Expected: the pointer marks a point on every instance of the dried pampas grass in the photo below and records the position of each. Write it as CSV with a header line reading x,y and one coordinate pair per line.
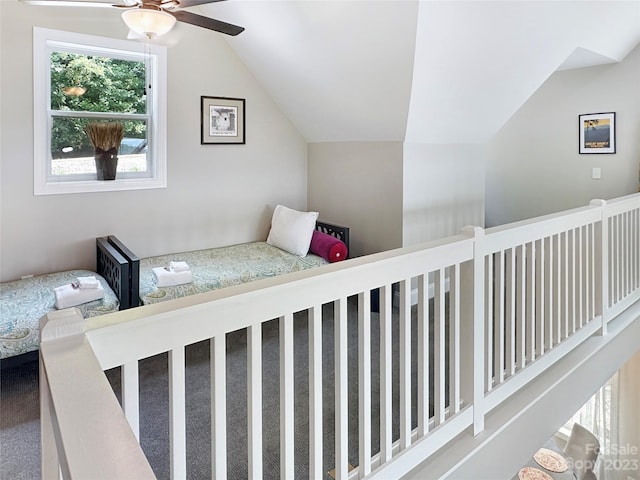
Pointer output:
x,y
105,135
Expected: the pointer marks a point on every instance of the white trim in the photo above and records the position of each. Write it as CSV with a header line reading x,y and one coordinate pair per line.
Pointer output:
x,y
157,133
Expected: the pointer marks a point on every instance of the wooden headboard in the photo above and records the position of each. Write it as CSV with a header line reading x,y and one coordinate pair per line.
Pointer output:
x,y
338,231
116,270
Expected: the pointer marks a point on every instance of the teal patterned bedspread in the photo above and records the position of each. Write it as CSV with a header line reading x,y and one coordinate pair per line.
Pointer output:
x,y
23,302
221,267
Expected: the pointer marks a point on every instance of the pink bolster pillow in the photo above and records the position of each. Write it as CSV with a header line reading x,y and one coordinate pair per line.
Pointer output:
x,y
328,247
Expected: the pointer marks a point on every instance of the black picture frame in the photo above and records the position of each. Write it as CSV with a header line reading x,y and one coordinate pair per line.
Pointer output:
x,y
222,121
597,132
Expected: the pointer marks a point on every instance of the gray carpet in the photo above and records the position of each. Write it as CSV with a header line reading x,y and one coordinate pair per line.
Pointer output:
x,y
19,415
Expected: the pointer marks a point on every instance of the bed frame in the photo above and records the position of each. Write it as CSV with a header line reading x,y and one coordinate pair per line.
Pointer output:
x,y
338,231
128,282
117,269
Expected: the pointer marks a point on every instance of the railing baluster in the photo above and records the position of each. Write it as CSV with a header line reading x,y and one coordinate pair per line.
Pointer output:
x,y
405,363
628,257
548,289
632,250
131,396
423,355
565,285
510,312
620,264
557,304
489,333
572,281
531,301
625,264
622,257
521,307
254,400
615,265
540,298
385,374
591,302
315,392
498,314
633,226
454,339
177,407
611,280
218,361
613,262
341,389
580,276
636,249
602,245
287,440
439,348
364,382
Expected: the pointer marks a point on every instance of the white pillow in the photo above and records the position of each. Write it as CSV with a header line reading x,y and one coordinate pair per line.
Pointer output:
x,y
292,230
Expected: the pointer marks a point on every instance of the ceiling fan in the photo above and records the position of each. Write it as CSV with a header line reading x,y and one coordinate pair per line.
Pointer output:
x,y
152,18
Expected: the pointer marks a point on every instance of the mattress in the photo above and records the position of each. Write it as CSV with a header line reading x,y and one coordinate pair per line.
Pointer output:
x,y
24,302
221,267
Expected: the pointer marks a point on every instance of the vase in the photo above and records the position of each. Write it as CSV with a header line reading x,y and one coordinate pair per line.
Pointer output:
x,y
106,165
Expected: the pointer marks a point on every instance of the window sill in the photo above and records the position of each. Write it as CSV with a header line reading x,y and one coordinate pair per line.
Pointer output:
x,y
91,186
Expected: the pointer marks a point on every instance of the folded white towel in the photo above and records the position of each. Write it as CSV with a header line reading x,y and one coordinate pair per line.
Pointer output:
x,y
169,278
88,282
68,296
179,266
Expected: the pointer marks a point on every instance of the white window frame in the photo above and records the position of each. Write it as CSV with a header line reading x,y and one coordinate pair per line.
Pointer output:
x,y
44,184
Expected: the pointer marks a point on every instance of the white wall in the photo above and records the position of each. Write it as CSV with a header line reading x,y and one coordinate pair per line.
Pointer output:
x,y
394,194
533,165
216,194
359,184
443,190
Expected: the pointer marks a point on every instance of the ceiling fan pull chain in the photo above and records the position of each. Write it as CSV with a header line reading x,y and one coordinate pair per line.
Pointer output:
x,y
147,56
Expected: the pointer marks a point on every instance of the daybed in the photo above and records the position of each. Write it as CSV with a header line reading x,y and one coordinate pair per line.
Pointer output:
x,y
23,302
221,267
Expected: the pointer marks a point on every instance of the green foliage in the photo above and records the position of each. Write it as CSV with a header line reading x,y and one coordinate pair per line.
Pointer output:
x,y
112,85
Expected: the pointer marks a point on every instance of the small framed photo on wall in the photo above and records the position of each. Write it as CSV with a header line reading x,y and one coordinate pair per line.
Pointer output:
x,y
597,132
222,120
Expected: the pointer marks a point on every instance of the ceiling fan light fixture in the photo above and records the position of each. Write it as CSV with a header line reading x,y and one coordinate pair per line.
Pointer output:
x,y
148,22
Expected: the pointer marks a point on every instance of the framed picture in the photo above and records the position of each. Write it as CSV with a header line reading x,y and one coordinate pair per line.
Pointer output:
x,y
597,132
222,120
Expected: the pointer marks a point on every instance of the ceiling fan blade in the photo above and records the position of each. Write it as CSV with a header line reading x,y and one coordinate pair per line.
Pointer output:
x,y
193,3
208,23
69,3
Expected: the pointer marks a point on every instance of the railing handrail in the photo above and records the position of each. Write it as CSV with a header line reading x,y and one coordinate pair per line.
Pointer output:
x,y
86,411
299,290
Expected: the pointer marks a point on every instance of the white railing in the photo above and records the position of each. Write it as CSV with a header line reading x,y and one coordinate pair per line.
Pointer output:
x,y
495,308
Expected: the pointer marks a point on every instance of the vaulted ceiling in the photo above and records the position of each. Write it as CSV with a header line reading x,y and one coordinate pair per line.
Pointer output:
x,y
418,71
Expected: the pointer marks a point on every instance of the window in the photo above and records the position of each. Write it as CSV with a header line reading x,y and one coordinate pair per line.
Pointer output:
x,y
79,79
600,416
